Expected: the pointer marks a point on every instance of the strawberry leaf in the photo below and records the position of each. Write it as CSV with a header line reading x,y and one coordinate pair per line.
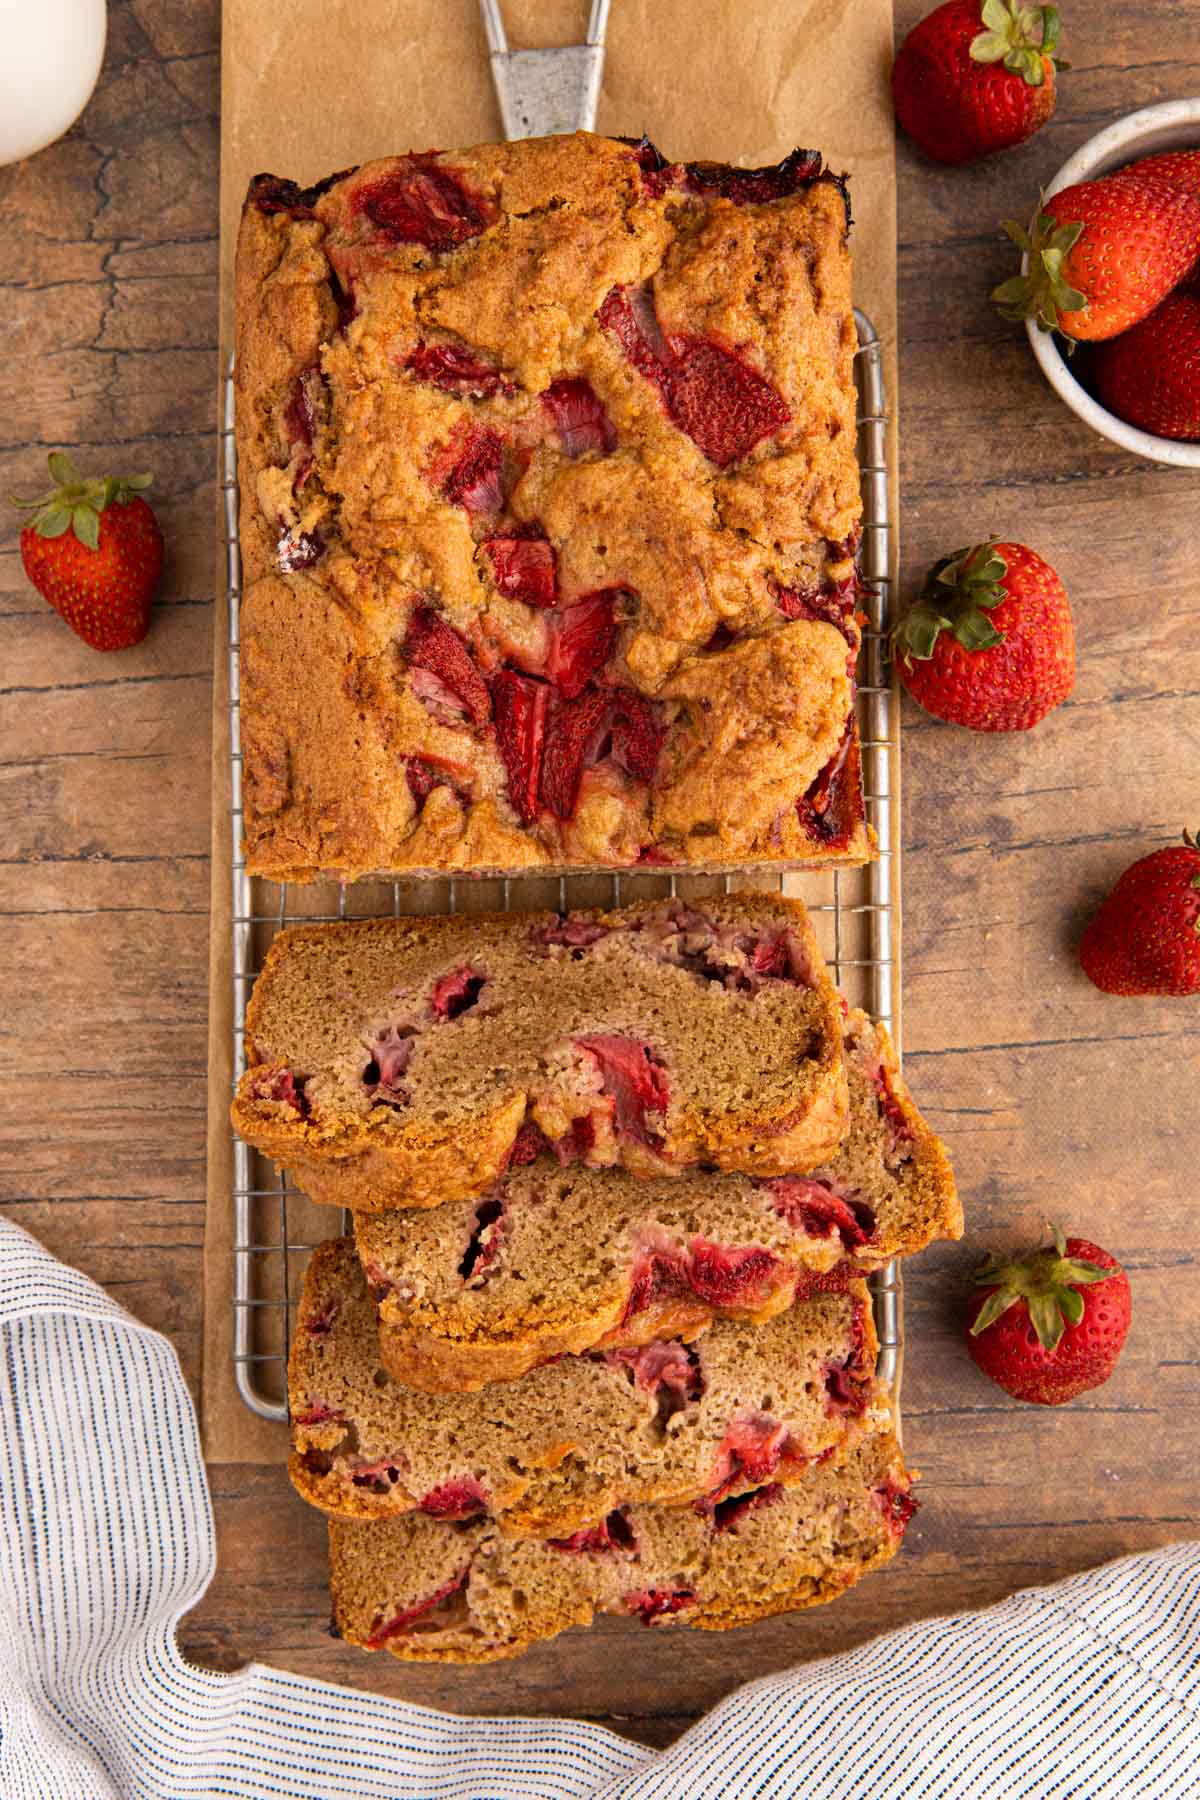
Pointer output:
x,y
1018,234
62,469
989,47
959,593
1044,291
86,523
922,628
53,522
1028,64
994,1307
1051,32
1072,1269
1046,1314
1022,37
975,631
1071,1303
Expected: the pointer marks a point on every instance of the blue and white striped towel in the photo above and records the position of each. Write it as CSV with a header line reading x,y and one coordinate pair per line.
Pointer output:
x,y
1085,1691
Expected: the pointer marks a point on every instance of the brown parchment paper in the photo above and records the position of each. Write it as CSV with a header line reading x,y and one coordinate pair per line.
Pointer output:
x,y
309,86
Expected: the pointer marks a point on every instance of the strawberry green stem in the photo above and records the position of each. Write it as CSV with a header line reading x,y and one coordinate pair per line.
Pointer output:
x,y
959,593
76,501
1047,1279
1021,36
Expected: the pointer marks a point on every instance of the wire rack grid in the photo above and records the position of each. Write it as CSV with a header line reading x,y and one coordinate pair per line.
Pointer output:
x,y
855,912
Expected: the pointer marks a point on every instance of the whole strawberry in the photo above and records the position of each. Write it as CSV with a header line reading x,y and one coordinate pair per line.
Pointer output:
x,y
1102,254
1179,166
1050,1324
93,549
1145,939
990,643
973,78
1150,375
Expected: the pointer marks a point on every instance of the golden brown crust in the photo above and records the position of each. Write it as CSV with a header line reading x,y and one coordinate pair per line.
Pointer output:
x,y
352,1168
440,1365
350,520
932,1208
774,1101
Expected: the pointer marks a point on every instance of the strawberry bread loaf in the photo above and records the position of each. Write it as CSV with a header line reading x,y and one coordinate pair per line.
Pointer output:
x,y
408,1062
429,1591
553,1454
566,1259
549,513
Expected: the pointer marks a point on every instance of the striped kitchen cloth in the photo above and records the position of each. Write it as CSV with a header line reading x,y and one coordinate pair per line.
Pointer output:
x,y
1087,1690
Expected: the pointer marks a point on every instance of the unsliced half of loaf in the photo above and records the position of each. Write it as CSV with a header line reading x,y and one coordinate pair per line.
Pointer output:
x,y
553,1454
429,1591
569,1259
394,1062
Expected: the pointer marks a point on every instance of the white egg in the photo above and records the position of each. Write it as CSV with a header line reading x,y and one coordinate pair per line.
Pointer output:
x,y
50,56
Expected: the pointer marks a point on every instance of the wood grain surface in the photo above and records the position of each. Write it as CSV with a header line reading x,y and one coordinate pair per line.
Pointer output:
x,y
1056,1101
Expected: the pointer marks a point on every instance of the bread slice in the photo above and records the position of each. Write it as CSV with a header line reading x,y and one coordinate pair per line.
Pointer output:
x,y
393,1062
553,1454
433,1592
558,1260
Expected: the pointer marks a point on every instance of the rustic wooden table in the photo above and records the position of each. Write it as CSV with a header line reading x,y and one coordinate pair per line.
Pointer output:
x,y
1057,1102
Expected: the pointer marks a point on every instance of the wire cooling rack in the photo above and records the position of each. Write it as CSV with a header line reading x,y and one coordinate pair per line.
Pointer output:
x,y
854,912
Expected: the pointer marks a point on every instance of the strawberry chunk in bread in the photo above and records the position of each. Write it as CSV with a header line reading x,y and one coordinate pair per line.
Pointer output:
x,y
428,1591
554,1454
655,1038
561,1259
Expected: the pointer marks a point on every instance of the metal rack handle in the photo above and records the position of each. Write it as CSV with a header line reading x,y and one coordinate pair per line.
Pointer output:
x,y
544,92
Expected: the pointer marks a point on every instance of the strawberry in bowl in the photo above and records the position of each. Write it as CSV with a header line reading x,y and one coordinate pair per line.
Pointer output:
x,y
1150,375
1111,261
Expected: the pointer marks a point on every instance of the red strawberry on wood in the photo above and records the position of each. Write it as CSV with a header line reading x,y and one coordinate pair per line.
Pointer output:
x,y
973,78
1051,1324
93,549
990,644
1102,254
1145,939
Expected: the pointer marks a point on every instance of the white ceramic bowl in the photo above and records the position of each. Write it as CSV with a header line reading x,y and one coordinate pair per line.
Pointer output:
x,y
53,50
1173,125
